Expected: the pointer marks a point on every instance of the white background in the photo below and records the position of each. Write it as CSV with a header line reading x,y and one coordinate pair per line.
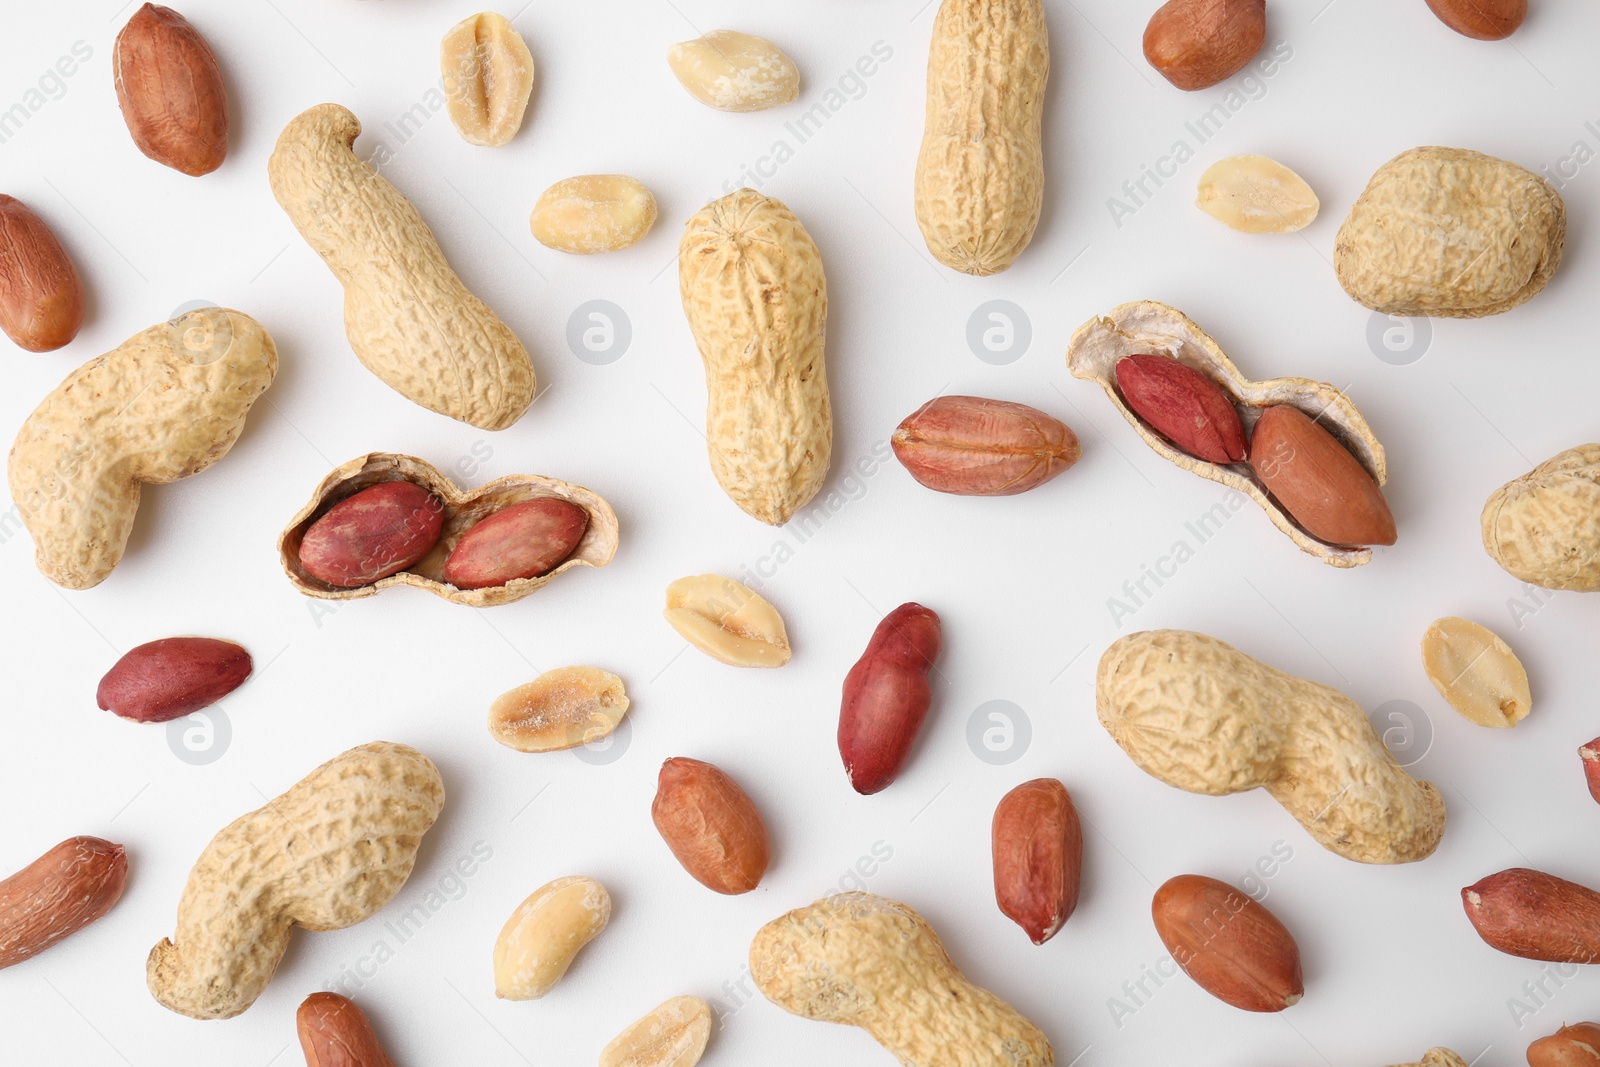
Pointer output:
x,y
1392,966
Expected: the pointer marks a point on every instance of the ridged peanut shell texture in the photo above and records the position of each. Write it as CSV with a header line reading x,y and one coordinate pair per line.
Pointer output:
x,y
757,302
163,405
1544,527
1449,232
41,296
1201,716
868,961
408,316
325,855
1148,327
463,509
980,171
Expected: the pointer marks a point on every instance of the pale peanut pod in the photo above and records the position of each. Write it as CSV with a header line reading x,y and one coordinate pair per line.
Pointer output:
x,y
41,296
166,403
463,509
1476,672
560,709
727,621
327,854
1450,232
1255,194
593,213
488,77
59,894
972,446
1544,527
1201,716
409,318
544,935
171,91
1148,327
757,303
673,1035
733,71
980,171
868,961
335,1033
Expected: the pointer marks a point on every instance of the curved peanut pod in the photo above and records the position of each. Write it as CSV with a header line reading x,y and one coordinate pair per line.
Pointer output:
x,y
868,961
409,318
325,855
59,894
1206,718
886,697
163,405
335,1033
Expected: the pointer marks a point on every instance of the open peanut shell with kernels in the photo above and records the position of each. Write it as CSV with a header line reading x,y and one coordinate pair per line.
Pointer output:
x,y
1149,328
449,515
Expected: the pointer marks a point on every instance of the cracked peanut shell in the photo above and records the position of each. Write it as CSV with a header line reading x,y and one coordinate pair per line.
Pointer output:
x,y
1147,327
462,509
757,303
1449,232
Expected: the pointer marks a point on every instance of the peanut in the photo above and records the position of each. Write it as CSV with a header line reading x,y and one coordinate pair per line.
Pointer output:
x,y
526,540
1232,946
335,1033
545,934
871,962
1486,20
886,697
1448,232
560,709
757,303
408,316
593,213
1476,673
1590,755
1577,1045
372,534
460,512
171,92
173,677
727,621
1037,844
41,297
59,894
733,71
1536,916
1317,480
980,170
1544,527
673,1035
711,825
1149,328
1438,1057
1195,44
327,854
975,447
1184,406
1254,194
1203,717
488,77
163,405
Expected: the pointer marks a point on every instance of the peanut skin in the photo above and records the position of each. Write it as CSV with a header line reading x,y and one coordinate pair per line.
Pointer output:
x,y
371,535
1535,915
711,825
41,296
335,1033
1038,857
971,446
1577,1045
886,697
525,540
167,679
59,894
1232,946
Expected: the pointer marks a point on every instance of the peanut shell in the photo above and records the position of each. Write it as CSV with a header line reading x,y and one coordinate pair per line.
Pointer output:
x,y
462,509
1153,328
1544,527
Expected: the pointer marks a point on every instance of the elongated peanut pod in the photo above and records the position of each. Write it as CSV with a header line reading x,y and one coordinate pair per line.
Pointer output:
x,y
886,697
409,318
325,855
59,894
